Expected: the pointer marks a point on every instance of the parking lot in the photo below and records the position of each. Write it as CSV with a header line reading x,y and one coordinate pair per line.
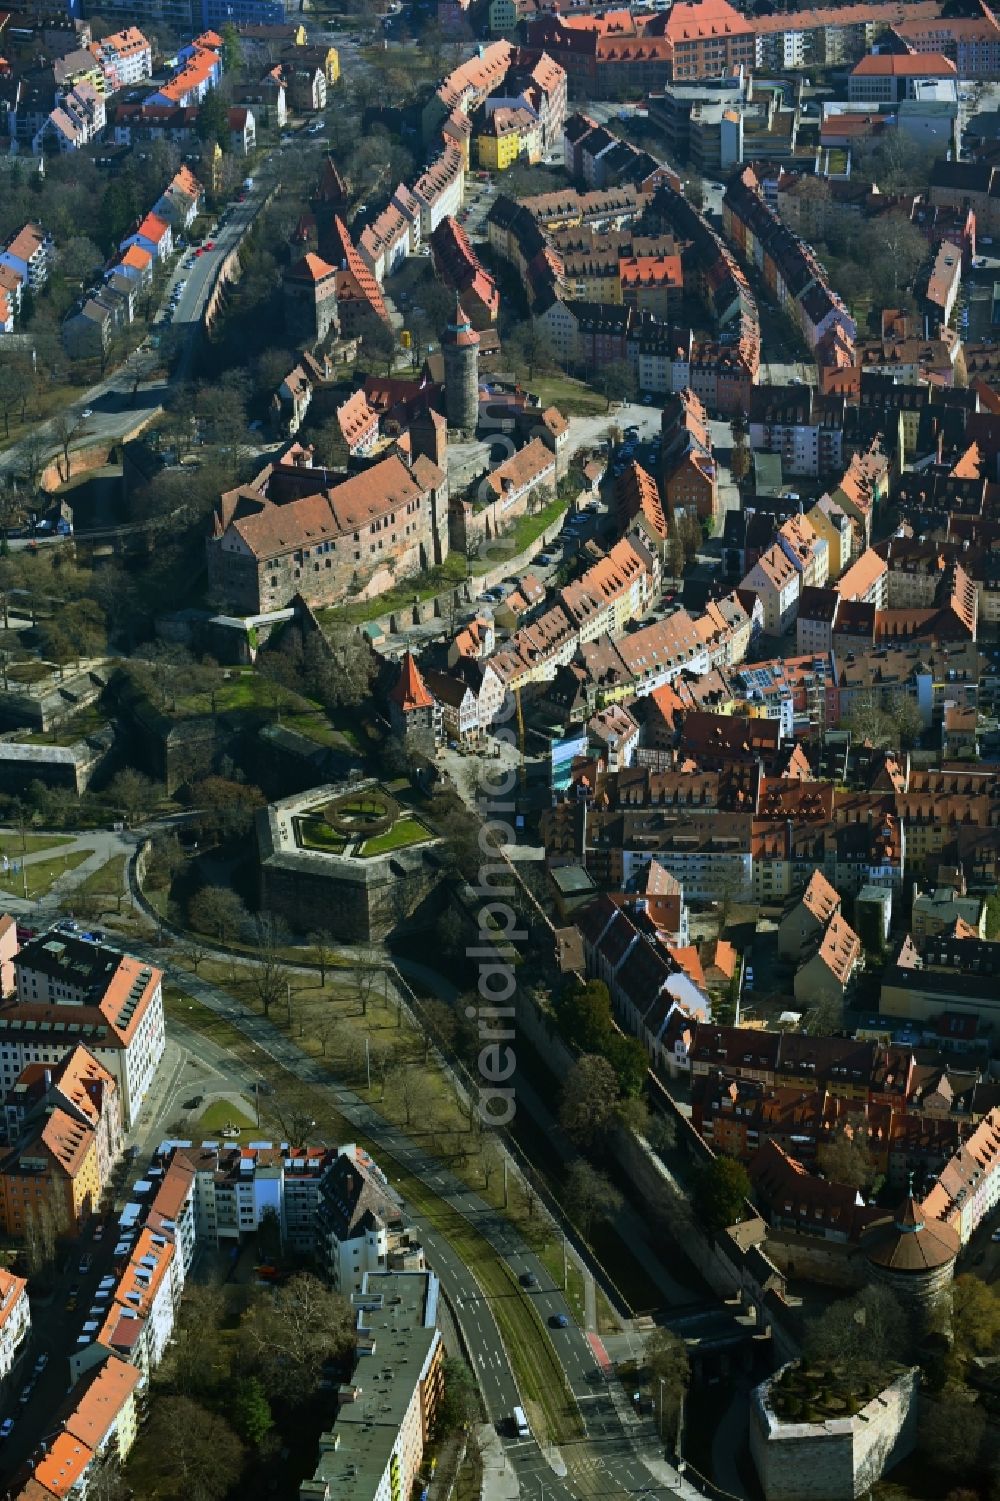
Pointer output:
x,y
79,1297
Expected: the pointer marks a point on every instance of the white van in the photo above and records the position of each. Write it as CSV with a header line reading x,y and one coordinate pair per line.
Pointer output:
x,y
521,1423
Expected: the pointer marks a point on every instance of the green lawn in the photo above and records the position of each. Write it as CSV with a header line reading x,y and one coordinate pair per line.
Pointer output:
x,y
421,586
87,722
42,404
219,1114
528,528
108,880
242,691
572,397
13,843
405,831
315,725
42,875
316,834
29,672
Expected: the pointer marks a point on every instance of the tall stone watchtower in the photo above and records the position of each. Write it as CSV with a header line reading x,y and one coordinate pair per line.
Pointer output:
x,y
460,348
914,1256
309,290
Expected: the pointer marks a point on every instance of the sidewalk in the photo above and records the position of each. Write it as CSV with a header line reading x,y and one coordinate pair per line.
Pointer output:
x,y
102,845
499,1481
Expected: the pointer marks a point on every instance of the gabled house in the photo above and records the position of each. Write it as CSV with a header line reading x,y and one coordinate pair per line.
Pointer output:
x,y
242,129
825,976
776,582
180,202
30,252
153,234
808,917
137,265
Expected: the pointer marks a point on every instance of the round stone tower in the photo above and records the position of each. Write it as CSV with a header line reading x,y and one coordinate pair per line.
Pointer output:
x,y
460,348
914,1258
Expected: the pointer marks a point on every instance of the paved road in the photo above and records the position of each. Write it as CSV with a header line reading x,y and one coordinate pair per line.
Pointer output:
x,y
616,1457
123,400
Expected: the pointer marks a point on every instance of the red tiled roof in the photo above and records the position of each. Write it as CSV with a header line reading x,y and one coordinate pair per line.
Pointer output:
x,y
409,690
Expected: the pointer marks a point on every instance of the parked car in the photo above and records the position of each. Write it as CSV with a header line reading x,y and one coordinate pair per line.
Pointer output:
x,y
86,1261
41,1362
6,1428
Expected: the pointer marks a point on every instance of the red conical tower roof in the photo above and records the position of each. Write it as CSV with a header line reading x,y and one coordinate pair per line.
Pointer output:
x,y
460,331
409,690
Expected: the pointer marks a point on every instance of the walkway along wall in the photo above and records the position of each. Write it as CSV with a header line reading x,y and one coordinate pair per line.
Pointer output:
x,y
732,1267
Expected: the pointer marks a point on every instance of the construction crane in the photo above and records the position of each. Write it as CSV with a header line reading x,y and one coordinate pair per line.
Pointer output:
x,y
522,769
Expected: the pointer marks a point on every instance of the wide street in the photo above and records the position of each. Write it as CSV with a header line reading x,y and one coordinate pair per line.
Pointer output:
x,y
618,1455
124,400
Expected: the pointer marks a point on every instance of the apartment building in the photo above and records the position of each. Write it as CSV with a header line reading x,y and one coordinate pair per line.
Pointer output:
x,y
866,580
358,1225
153,234
816,620
788,265
806,550
30,253
375,1450
689,480
97,1427
199,70
831,36
65,1129
827,973
802,426
887,78
972,42
776,581
142,1309
833,524
709,38
460,268
968,1188
15,1321
73,989
613,591
125,58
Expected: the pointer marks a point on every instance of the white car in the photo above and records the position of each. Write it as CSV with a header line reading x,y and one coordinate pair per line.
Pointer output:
x,y
87,412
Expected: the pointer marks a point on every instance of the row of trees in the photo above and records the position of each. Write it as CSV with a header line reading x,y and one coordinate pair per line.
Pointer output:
x,y
583,1016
